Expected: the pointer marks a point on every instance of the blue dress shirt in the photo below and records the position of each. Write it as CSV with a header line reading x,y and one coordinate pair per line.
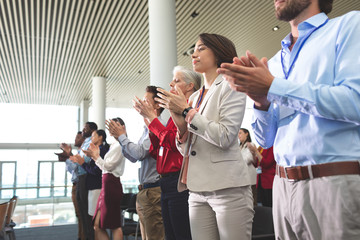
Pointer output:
x,y
314,116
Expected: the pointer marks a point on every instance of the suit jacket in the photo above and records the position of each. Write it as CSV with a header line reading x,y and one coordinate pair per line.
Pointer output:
x,y
215,160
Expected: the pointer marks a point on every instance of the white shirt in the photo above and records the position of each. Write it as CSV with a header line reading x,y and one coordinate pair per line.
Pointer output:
x,y
113,162
248,158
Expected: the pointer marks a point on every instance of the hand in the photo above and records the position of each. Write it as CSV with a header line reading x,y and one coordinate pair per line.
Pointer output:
x,y
175,103
66,148
255,153
251,76
115,128
92,152
145,108
77,159
62,156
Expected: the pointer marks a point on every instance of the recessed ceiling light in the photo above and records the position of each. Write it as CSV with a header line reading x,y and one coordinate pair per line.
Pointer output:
x,y
276,28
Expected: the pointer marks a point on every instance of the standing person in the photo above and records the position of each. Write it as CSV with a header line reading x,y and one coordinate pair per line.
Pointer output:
x,y
108,211
94,173
81,188
174,204
307,106
148,204
250,159
266,178
220,202
71,168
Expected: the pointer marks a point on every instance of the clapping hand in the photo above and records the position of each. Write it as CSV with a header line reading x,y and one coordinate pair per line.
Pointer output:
x,y
92,152
115,128
77,159
174,102
145,108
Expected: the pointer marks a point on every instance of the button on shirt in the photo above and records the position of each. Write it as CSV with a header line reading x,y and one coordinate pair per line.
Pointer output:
x,y
314,116
140,152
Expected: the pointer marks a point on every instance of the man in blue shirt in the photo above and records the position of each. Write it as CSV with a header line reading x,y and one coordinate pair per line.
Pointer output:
x,y
307,104
148,203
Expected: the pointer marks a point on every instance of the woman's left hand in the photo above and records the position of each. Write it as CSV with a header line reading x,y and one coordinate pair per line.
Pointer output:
x,y
175,103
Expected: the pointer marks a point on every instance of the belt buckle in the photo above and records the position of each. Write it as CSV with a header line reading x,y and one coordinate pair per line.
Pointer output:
x,y
287,177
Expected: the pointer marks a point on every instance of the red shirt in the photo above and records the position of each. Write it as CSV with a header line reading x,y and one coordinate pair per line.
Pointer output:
x,y
163,147
268,166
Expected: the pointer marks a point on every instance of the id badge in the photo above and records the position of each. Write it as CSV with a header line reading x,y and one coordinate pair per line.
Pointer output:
x,y
161,150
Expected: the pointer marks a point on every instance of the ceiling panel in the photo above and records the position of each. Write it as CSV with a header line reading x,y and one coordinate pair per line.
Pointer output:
x,y
50,49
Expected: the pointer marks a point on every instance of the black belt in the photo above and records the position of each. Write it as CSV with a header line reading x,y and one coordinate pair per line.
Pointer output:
x,y
148,185
170,174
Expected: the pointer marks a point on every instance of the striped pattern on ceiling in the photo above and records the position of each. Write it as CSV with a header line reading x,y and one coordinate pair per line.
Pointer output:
x,y
50,49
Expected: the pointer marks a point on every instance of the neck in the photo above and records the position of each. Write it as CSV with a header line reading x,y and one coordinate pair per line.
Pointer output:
x,y
188,94
209,77
307,13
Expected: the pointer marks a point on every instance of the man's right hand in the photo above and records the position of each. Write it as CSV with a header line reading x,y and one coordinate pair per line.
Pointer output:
x,y
66,148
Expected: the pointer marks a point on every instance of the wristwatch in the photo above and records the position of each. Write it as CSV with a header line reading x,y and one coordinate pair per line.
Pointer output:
x,y
186,110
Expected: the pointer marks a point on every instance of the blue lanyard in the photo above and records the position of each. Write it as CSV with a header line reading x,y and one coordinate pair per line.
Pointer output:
x,y
201,96
297,54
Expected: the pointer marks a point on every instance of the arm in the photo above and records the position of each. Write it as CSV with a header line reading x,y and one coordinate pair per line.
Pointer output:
x,y
70,166
154,145
132,151
112,159
222,132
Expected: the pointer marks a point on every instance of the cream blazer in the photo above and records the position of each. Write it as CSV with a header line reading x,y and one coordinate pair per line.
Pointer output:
x,y
215,160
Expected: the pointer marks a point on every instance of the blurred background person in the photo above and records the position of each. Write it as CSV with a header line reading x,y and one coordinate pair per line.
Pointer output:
x,y
108,211
148,205
94,173
249,158
266,175
71,168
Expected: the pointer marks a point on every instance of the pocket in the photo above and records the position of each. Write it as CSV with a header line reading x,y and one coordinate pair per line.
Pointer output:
x,y
222,156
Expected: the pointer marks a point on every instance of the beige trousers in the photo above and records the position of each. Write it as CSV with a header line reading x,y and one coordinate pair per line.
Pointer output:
x,y
149,211
322,208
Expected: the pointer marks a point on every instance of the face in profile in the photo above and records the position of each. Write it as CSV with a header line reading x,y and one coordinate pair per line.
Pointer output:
x,y
95,138
78,140
242,136
179,82
203,58
86,132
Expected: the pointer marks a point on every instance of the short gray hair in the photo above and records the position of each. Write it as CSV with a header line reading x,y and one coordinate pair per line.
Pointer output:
x,y
190,76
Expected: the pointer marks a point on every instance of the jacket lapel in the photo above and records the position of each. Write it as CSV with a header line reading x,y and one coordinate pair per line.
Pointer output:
x,y
217,81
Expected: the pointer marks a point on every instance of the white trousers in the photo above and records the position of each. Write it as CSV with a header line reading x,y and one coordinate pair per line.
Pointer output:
x,y
224,214
322,208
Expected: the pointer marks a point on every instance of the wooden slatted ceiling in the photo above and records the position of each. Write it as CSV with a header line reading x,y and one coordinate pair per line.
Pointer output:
x,y
50,49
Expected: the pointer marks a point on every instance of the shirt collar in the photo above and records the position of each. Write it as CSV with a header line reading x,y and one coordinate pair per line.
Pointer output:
x,y
310,23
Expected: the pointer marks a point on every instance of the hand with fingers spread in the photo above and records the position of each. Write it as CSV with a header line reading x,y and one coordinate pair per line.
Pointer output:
x,y
251,76
174,102
115,128
66,148
77,159
93,151
144,108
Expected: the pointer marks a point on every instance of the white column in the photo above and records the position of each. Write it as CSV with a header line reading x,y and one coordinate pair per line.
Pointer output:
x,y
84,113
99,101
162,38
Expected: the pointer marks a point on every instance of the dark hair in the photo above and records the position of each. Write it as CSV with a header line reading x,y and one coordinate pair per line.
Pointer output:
x,y
154,91
223,49
119,120
248,139
102,133
325,6
92,126
79,132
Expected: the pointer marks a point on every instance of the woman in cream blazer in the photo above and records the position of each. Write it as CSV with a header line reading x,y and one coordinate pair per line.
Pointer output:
x,y
220,201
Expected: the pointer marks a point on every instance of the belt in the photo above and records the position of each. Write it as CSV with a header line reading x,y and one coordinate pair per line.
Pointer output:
x,y
148,185
316,171
170,174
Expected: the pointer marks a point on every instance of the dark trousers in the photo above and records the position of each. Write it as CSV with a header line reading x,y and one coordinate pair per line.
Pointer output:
x,y
264,195
174,209
82,199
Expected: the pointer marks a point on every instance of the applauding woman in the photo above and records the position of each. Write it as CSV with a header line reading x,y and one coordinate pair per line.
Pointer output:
x,y
108,211
220,200
174,204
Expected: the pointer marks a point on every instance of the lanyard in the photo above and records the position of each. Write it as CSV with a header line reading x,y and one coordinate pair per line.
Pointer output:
x,y
297,54
201,96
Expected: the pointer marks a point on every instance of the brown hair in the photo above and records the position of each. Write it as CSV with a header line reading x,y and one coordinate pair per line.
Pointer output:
x,y
325,6
154,91
223,49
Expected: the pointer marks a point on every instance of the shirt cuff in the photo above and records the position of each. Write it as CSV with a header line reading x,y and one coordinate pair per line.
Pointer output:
x,y
190,115
121,138
263,116
278,88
